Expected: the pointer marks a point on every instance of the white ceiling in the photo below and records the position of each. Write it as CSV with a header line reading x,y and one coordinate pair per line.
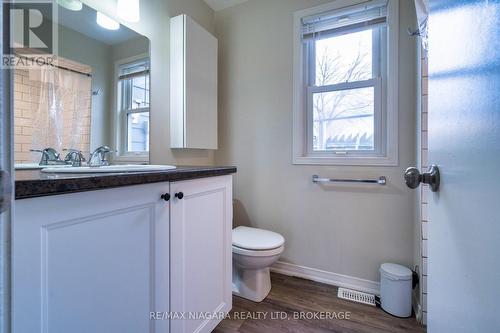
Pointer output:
x,y
223,4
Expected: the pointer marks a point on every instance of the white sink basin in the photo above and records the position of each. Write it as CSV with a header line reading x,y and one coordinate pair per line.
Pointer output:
x,y
35,166
110,169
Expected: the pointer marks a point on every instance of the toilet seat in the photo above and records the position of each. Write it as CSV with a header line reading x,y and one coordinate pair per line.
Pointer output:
x,y
256,239
258,253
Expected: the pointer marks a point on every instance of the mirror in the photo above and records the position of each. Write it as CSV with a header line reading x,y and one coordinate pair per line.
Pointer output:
x,y
97,93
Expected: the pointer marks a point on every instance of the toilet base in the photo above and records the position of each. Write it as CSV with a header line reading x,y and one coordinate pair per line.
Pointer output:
x,y
252,284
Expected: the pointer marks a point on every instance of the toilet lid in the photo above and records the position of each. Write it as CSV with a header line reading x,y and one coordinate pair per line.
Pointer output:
x,y
256,239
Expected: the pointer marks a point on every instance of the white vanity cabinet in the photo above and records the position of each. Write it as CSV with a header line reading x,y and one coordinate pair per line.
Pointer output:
x,y
91,262
103,261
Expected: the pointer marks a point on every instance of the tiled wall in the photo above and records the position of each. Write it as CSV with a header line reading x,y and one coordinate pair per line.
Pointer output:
x,y
27,101
424,189
25,95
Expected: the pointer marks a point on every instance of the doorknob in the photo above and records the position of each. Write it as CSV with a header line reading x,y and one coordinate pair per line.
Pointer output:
x,y
413,178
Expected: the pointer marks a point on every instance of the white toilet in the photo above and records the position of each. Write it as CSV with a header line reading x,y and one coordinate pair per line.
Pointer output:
x,y
254,251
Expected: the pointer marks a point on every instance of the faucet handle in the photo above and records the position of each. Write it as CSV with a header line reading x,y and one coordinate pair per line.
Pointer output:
x,y
48,155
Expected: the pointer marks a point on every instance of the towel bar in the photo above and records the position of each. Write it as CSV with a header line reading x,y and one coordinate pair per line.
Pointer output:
x,y
381,181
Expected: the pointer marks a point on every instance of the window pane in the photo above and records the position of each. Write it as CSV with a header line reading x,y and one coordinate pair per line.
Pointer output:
x,y
140,92
135,92
344,58
344,120
138,132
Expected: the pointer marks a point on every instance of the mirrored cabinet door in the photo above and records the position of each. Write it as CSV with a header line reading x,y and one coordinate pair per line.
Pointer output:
x,y
95,92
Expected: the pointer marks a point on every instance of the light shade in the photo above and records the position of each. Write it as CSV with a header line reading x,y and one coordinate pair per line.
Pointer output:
x,y
106,22
129,10
74,5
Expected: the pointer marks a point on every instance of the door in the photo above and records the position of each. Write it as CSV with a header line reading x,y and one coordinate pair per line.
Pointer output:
x,y
201,253
5,186
464,140
92,262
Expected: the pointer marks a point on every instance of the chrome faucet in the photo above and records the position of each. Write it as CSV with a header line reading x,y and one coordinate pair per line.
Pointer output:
x,y
50,156
99,157
74,157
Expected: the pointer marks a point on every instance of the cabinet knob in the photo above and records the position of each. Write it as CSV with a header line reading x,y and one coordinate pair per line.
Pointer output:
x,y
166,196
179,195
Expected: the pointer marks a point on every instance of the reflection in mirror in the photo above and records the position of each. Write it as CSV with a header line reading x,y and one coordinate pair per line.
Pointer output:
x,y
97,94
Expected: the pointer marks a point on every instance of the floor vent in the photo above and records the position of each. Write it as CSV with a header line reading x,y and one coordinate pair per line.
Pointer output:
x,y
356,296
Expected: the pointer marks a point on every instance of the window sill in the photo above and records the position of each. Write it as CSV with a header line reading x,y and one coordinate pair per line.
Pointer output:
x,y
348,161
131,159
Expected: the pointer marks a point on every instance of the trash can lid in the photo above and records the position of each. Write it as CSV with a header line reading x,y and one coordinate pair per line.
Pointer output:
x,y
395,271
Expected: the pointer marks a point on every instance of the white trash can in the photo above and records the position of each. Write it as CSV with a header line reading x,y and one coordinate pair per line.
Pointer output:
x,y
395,289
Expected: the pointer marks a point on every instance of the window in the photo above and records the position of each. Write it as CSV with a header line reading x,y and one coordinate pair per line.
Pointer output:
x,y
133,107
344,109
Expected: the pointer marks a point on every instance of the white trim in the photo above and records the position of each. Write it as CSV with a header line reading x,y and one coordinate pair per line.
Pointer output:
x,y
299,138
392,113
330,278
130,158
345,86
119,127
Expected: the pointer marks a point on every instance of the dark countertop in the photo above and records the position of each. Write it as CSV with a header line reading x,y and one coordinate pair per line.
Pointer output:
x,y
33,183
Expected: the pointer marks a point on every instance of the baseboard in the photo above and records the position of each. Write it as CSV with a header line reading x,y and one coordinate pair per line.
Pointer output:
x,y
330,278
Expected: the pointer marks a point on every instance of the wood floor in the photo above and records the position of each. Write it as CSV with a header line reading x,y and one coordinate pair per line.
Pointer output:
x,y
290,297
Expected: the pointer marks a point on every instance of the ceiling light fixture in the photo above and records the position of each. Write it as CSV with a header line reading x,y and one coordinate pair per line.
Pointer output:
x,y
107,22
74,5
129,10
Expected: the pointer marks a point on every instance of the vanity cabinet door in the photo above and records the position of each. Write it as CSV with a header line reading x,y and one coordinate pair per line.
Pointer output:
x,y
92,262
201,253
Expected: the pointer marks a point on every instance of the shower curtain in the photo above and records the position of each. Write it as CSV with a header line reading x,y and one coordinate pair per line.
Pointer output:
x,y
61,115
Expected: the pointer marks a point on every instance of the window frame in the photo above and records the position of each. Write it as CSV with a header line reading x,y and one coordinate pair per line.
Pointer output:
x,y
385,93
121,115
